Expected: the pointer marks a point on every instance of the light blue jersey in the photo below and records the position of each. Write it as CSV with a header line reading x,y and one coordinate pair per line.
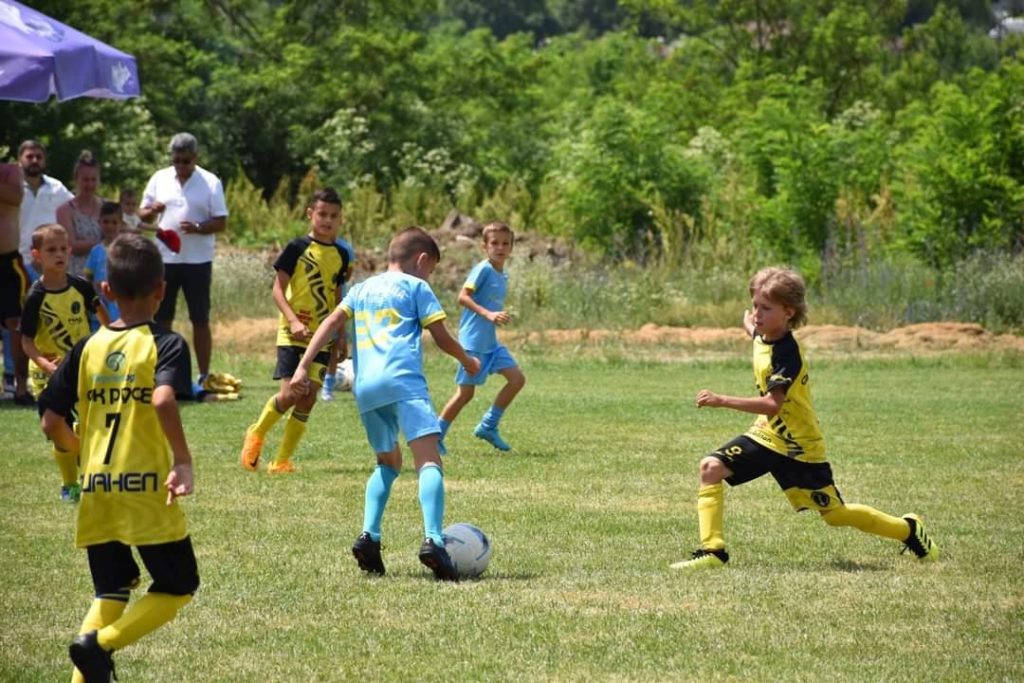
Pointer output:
x,y
96,268
390,311
488,288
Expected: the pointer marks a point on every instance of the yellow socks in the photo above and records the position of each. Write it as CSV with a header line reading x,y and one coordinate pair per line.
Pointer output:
x,y
67,463
268,418
103,611
294,428
710,507
868,519
151,612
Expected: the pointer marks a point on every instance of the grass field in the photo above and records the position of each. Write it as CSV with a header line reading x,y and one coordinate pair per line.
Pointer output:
x,y
585,516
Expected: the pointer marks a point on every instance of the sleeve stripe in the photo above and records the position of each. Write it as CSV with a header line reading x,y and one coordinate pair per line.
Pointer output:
x,y
431,319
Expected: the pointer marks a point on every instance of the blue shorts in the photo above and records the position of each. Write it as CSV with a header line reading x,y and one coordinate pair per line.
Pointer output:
x,y
414,418
490,363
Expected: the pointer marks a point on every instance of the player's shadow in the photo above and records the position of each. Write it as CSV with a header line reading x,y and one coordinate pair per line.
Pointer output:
x,y
852,566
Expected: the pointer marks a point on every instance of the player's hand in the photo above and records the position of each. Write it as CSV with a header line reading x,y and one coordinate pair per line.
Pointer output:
x,y
298,330
708,398
472,364
48,366
501,318
300,381
179,482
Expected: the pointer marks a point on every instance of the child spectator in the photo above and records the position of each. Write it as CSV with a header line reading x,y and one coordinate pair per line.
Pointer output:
x,y
55,318
309,272
785,439
483,311
123,381
390,311
96,265
129,205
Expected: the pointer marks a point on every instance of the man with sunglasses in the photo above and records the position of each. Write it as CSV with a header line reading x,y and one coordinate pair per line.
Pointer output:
x,y
189,200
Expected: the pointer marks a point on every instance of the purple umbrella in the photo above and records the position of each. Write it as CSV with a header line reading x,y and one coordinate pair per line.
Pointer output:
x,y
40,57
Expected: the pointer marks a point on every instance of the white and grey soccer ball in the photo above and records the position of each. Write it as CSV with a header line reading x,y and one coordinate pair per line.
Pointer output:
x,y
469,548
344,376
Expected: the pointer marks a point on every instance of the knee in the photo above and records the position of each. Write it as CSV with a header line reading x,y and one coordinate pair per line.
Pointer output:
x,y
712,471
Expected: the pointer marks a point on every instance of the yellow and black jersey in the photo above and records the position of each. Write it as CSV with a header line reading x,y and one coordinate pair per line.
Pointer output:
x,y
794,431
316,271
125,457
55,319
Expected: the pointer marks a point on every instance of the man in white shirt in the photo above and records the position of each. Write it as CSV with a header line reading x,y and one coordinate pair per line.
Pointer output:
x,y
189,200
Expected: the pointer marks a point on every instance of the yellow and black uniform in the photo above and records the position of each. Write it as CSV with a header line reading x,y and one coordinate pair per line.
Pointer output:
x,y
315,271
14,282
55,319
788,444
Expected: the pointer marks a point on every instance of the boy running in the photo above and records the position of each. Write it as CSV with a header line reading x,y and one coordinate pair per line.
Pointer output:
x,y
309,272
124,380
391,311
785,439
483,309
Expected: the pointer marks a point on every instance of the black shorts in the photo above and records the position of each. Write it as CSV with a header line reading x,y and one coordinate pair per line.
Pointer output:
x,y
194,280
14,282
172,566
807,485
288,358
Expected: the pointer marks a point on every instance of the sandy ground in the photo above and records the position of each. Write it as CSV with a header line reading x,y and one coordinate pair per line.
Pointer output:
x,y
921,339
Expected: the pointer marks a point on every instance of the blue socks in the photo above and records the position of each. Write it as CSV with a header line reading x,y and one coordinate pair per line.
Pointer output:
x,y
432,501
492,417
378,489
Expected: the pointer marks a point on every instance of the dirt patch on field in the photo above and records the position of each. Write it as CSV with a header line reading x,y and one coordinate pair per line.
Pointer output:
x,y
925,338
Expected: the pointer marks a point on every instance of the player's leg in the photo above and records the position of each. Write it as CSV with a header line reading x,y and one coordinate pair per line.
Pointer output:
x,y
175,580
382,432
294,429
196,285
419,425
67,464
462,396
15,279
114,575
500,361
327,392
737,462
273,410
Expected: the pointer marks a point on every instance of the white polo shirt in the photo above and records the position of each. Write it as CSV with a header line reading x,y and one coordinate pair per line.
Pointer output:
x,y
39,208
199,199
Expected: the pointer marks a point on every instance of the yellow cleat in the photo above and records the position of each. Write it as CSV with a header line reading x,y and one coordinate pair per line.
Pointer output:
x,y
251,448
703,559
919,542
285,467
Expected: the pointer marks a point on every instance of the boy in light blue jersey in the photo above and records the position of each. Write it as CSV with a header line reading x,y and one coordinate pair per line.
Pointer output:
x,y
483,310
390,311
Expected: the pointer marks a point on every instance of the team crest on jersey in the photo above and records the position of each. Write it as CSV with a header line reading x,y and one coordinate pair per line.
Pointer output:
x,y
115,360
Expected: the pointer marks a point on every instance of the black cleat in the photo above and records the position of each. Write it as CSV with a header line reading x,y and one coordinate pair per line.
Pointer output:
x,y
94,663
367,554
437,559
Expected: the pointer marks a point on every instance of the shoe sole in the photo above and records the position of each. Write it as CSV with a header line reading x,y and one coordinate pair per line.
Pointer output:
x,y
441,573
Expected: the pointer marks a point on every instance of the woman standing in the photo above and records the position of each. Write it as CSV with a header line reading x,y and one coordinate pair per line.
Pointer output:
x,y
80,216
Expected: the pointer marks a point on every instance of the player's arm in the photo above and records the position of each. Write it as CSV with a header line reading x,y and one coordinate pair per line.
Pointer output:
x,y
28,345
769,404
453,348
496,317
328,328
296,327
179,480
58,401
11,189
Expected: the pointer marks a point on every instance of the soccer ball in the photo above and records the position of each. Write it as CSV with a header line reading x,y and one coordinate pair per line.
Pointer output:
x,y
344,376
469,548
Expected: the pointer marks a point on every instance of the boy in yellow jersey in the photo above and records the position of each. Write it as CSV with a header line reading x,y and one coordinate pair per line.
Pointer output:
x,y
124,380
785,439
55,316
390,311
309,272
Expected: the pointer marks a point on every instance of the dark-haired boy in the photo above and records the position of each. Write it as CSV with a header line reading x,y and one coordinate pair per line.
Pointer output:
x,y
124,380
111,225
309,272
390,311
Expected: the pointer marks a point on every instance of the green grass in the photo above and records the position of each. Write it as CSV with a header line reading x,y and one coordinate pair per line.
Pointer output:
x,y
585,516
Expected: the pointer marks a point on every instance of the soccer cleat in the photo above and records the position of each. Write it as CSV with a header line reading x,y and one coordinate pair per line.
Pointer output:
x,y
919,542
326,395
492,437
71,493
703,559
367,554
250,457
436,558
94,663
285,467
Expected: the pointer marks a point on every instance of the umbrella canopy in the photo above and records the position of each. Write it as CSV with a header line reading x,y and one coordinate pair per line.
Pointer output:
x,y
41,57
